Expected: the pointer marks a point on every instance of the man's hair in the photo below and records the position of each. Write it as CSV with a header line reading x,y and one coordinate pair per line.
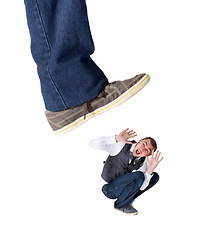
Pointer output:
x,y
153,142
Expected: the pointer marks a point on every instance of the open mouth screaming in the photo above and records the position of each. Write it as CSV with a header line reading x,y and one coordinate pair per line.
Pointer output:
x,y
138,152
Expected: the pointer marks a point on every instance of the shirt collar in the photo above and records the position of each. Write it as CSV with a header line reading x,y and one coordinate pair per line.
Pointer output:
x,y
132,147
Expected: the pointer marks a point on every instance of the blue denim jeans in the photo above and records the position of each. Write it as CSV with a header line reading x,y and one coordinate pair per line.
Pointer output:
x,y
152,182
126,188
61,45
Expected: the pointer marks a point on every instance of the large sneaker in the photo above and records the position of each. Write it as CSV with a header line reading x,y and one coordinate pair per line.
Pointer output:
x,y
128,210
113,94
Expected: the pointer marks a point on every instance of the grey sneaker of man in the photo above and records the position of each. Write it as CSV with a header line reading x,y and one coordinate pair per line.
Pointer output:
x,y
128,210
112,95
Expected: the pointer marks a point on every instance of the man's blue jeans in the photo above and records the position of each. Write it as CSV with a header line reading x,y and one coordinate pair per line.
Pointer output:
x,y
126,187
61,45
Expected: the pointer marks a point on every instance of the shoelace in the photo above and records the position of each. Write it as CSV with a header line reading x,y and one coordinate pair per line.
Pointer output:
x,y
85,105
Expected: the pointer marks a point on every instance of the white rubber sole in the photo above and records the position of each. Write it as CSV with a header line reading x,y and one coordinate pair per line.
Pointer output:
x,y
118,101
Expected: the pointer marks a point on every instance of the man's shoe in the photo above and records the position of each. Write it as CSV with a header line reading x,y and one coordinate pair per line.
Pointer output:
x,y
113,94
128,210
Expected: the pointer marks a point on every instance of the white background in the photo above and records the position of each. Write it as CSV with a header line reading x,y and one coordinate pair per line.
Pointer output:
x,y
49,186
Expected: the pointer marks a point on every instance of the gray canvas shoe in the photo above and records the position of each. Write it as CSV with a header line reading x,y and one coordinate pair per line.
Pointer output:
x,y
128,210
113,94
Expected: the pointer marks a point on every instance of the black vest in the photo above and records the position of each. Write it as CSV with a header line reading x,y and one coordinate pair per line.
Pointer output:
x,y
118,165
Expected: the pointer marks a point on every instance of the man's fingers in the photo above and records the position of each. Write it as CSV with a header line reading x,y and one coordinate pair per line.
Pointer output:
x,y
126,130
158,155
133,135
131,132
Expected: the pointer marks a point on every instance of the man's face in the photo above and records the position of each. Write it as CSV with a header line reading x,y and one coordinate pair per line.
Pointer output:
x,y
143,148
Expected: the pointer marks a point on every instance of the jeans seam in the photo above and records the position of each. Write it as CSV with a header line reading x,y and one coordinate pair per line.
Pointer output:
x,y
43,28
57,90
49,50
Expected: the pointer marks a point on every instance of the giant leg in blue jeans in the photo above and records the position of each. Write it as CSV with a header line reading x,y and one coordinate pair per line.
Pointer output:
x,y
61,45
127,187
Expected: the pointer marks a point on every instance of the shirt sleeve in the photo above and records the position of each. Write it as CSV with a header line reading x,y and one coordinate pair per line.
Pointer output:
x,y
108,144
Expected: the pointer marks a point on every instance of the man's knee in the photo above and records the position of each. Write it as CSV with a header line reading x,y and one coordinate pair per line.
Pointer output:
x,y
155,177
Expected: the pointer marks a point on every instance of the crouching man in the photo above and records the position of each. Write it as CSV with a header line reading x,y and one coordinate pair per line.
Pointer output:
x,y
128,170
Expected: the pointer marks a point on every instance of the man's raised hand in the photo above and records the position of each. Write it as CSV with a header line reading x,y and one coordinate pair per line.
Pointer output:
x,y
125,135
153,161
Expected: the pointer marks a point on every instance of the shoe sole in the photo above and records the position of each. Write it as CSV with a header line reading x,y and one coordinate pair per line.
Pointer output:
x,y
118,101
